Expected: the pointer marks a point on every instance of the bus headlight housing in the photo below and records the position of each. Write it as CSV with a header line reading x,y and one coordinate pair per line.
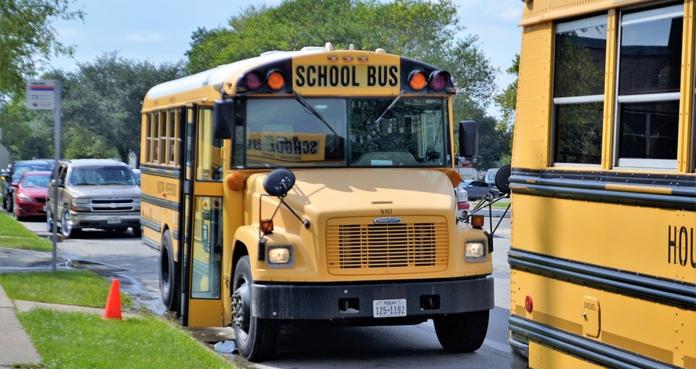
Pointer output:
x,y
475,251
279,255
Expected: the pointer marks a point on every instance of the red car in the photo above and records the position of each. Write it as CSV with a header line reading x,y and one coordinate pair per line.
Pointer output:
x,y
30,194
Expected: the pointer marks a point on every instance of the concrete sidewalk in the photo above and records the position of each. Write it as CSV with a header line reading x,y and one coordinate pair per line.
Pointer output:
x,y
15,345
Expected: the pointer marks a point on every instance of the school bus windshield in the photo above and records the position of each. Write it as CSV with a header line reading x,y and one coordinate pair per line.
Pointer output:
x,y
346,132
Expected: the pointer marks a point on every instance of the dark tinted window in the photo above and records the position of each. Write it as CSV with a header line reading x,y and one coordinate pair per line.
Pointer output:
x,y
579,133
580,57
649,130
95,176
650,56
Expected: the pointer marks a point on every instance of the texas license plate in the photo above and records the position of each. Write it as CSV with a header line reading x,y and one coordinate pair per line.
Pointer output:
x,y
389,308
113,220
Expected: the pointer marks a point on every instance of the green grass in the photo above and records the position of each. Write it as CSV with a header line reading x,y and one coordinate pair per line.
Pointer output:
x,y
81,287
502,204
77,340
14,235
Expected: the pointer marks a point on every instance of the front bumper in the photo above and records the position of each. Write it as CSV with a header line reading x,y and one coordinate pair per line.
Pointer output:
x,y
329,301
105,220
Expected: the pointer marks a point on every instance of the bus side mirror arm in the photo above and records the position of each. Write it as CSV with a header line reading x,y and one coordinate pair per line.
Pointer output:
x,y
468,138
223,119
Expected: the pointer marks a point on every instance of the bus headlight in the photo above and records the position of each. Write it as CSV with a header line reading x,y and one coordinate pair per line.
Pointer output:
x,y
279,254
475,250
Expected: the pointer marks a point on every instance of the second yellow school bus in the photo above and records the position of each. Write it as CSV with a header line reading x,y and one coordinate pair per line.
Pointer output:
x,y
361,228
603,186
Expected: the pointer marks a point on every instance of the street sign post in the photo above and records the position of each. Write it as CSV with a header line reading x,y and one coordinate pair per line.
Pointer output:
x,y
45,95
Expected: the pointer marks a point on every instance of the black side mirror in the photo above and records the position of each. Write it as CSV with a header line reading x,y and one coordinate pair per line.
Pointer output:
x,y
223,119
279,182
468,138
502,179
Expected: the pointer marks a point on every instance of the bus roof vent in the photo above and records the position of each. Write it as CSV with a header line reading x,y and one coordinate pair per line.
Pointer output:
x,y
380,50
312,48
351,47
328,46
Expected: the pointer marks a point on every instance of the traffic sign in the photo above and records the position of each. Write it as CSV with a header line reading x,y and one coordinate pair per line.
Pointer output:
x,y
41,94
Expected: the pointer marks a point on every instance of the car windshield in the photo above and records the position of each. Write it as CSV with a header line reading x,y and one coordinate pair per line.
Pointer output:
x,y
40,181
365,132
103,175
23,168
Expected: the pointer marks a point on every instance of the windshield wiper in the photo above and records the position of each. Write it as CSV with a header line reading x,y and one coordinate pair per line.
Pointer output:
x,y
391,105
305,104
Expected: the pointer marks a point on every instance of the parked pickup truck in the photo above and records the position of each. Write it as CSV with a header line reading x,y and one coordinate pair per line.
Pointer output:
x,y
94,193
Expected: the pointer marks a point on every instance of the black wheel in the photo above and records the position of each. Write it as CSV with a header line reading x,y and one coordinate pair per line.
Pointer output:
x,y
137,231
49,221
66,229
9,202
169,274
462,332
255,337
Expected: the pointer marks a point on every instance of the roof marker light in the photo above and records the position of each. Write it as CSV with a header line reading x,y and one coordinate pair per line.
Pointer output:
x,y
417,80
275,80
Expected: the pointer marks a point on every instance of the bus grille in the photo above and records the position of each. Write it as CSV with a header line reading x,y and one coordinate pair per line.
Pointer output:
x,y
387,248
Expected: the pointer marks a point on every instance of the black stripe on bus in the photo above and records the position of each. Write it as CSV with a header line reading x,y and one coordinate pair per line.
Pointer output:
x,y
591,186
162,172
151,243
159,202
581,347
145,222
662,291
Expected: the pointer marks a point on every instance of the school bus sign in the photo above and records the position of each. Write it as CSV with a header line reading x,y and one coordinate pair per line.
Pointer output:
x,y
368,74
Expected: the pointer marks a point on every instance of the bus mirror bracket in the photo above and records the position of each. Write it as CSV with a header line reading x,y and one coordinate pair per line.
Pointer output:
x,y
468,138
277,184
223,119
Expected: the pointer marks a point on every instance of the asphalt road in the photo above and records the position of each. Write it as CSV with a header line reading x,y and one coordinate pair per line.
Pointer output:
x,y
122,255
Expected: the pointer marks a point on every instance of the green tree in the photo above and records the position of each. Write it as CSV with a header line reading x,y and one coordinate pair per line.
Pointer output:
x,y
28,39
507,99
102,102
101,110
422,30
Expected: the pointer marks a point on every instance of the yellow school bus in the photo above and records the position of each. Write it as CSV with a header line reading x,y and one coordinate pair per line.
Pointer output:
x,y
603,266
313,185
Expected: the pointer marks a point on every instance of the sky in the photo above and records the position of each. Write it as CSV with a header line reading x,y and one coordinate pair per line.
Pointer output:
x,y
160,30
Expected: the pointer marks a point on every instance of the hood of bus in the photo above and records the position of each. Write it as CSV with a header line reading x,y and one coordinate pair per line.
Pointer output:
x,y
322,194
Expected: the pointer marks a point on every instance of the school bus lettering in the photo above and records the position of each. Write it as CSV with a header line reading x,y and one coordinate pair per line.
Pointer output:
x,y
680,246
382,75
346,76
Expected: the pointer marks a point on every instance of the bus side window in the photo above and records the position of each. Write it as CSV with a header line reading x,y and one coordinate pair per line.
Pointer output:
x,y
207,248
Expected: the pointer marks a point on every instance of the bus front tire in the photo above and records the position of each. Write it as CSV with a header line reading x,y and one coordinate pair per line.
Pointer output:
x,y
462,332
255,337
168,282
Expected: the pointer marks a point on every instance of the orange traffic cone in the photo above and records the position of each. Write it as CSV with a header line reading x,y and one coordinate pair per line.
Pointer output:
x,y
112,310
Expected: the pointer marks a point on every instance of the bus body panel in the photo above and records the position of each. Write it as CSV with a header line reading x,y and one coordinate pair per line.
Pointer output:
x,y
622,247
642,327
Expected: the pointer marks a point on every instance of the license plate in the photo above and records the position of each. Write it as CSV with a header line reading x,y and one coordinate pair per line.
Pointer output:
x,y
389,308
113,220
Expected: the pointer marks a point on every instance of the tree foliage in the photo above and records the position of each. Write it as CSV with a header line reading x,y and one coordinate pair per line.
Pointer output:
x,y
27,39
101,110
422,30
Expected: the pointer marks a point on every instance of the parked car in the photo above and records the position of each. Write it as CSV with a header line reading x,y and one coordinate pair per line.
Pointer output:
x,y
136,173
95,193
462,202
490,176
30,195
477,190
14,173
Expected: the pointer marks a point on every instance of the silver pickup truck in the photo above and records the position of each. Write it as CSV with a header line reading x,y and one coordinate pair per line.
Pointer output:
x,y
94,193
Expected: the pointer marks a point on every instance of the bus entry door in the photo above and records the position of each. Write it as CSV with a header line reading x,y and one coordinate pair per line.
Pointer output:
x,y
203,251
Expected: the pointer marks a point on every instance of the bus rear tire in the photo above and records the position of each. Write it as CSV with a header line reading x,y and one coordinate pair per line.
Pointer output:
x,y
169,280
255,337
462,332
